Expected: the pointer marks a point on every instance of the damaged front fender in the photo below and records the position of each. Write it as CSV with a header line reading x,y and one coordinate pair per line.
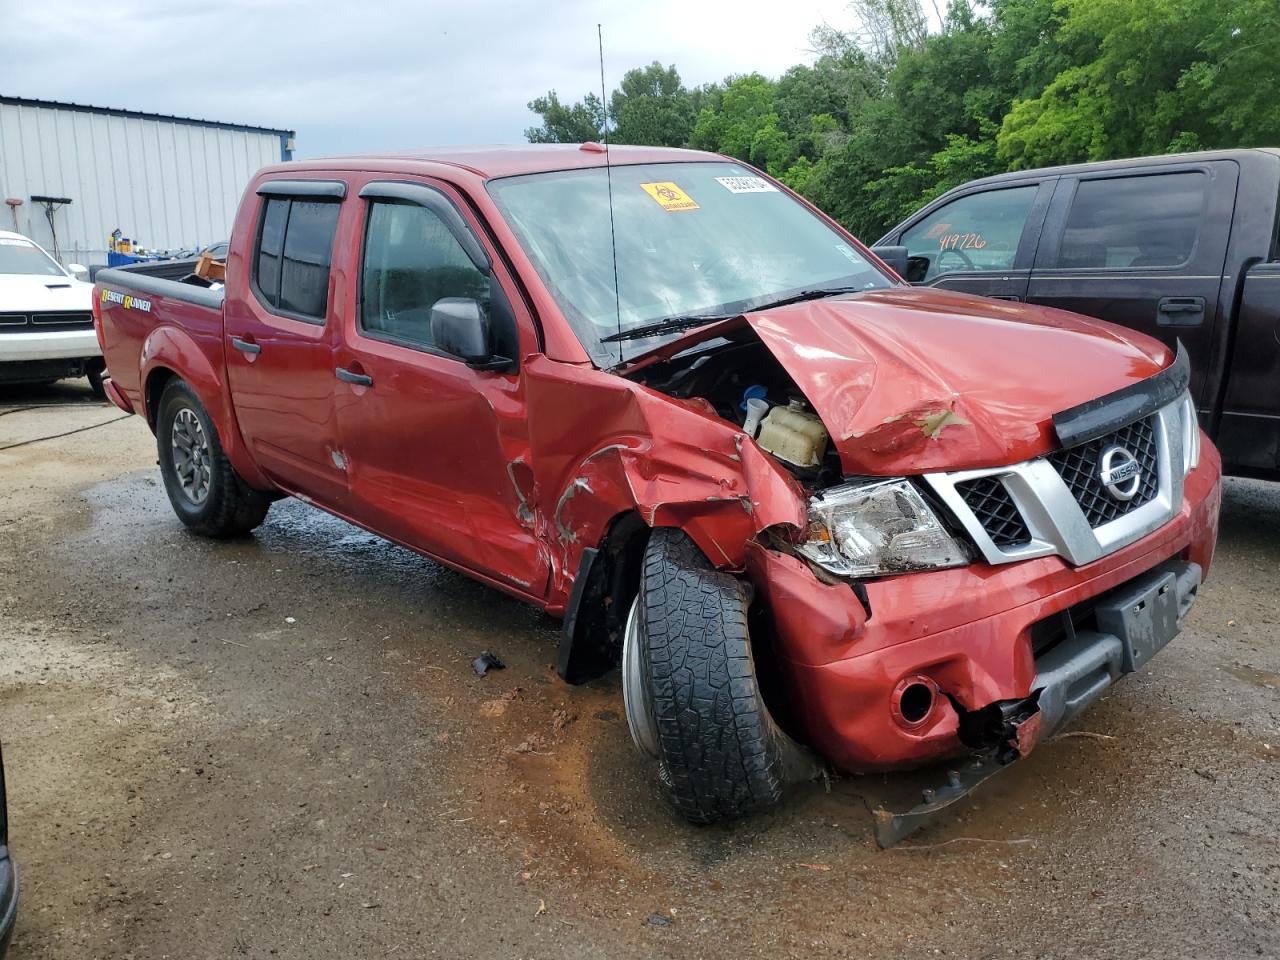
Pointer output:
x,y
603,446
610,459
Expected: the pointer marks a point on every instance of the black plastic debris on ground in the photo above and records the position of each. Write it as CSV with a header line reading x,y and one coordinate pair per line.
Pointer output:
x,y
487,661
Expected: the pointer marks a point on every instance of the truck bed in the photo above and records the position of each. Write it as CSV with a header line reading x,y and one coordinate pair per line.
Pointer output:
x,y
138,311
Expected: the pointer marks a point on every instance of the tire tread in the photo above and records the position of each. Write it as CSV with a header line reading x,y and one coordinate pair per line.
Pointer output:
x,y
720,751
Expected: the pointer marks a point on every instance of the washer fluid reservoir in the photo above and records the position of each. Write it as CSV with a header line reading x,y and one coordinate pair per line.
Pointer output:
x,y
794,434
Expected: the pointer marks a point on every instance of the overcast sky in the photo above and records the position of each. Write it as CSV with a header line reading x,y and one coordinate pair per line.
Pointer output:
x,y
383,73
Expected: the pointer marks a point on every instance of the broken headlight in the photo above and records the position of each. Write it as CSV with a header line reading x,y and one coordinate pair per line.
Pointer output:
x,y
877,528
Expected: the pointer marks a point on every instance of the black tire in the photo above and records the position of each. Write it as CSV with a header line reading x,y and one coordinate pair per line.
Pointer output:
x,y
229,507
720,753
96,372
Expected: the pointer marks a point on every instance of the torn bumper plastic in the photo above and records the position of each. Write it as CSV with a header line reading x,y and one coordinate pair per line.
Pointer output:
x,y
1135,621
975,636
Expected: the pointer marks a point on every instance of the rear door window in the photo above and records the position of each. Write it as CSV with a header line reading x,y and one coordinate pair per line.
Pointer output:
x,y
976,233
294,252
1122,222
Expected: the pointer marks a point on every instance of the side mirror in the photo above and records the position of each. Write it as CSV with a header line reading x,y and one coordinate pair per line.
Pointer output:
x,y
917,269
895,257
460,327
78,270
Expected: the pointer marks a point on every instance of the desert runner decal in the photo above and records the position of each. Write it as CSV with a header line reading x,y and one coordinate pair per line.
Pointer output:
x,y
126,300
669,197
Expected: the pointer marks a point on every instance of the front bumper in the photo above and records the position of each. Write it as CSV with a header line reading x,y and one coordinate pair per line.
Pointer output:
x,y
967,632
49,345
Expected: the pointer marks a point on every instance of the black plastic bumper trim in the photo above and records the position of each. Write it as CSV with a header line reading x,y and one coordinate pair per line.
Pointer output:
x,y
1106,414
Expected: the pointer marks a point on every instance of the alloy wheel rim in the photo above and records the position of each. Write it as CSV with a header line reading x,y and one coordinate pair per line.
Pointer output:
x,y
635,692
191,455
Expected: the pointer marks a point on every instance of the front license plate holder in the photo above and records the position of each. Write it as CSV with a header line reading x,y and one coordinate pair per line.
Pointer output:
x,y
1144,616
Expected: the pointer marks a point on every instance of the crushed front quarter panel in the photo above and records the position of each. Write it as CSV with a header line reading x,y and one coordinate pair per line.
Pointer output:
x,y
603,446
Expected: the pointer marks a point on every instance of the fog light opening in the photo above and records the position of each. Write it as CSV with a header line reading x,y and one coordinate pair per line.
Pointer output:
x,y
915,701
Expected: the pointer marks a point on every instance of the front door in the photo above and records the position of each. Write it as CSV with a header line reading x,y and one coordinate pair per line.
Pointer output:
x,y
981,243
279,340
1143,248
434,449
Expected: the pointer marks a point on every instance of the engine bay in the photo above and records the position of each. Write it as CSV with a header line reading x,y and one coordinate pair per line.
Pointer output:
x,y
746,385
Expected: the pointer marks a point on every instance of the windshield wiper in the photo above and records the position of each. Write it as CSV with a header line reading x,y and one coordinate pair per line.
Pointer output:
x,y
665,325
674,324
815,294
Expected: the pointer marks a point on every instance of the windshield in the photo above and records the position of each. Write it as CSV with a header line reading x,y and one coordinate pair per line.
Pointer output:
x,y
23,256
703,238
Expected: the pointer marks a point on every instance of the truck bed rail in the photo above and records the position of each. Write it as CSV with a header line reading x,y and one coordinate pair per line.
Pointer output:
x,y
160,287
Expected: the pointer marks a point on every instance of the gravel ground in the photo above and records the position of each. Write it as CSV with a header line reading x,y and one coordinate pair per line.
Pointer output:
x,y
276,747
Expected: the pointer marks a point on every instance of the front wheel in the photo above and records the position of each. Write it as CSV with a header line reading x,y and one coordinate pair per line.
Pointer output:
x,y
206,492
690,688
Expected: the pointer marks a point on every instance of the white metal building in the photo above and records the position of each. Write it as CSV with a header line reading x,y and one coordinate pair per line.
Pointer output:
x,y
167,183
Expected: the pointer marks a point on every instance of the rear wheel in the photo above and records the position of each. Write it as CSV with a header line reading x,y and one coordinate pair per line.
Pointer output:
x,y
206,492
690,688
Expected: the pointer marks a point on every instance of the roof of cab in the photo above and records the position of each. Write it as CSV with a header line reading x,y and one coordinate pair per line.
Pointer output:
x,y
503,160
1124,163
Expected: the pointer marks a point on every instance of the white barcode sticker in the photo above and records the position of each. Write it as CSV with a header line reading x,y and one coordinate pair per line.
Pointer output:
x,y
850,254
746,184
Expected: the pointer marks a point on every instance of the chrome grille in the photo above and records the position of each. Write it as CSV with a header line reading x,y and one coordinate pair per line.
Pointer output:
x,y
1079,469
1058,498
990,502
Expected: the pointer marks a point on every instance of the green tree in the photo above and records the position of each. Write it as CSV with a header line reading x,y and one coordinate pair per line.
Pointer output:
x,y
1148,76
574,123
745,124
651,106
889,115
1231,85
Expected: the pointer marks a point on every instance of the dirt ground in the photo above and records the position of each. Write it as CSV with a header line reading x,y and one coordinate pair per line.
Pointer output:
x,y
276,747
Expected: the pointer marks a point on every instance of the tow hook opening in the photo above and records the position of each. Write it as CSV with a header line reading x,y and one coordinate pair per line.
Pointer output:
x,y
913,700
1011,727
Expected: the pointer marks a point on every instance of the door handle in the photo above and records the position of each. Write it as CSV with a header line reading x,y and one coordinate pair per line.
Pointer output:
x,y
1180,312
245,346
346,376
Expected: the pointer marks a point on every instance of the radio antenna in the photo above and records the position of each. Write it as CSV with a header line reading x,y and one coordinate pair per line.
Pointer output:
x,y
608,174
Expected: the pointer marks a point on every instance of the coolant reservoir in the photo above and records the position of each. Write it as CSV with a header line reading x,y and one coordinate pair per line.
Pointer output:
x,y
794,434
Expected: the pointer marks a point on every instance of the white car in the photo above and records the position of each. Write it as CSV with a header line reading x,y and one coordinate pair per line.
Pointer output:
x,y
46,323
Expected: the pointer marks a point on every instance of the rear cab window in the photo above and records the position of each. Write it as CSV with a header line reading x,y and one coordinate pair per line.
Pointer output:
x,y
294,248
976,233
1152,220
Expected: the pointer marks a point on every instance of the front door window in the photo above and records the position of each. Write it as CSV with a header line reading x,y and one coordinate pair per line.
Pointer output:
x,y
975,234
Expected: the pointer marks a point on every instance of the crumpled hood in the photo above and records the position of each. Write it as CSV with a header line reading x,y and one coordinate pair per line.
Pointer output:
x,y
910,380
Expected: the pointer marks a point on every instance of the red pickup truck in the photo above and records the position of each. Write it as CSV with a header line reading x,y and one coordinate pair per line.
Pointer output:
x,y
816,515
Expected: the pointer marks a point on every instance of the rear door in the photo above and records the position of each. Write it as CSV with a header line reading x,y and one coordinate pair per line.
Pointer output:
x,y
981,242
1144,247
436,452
279,339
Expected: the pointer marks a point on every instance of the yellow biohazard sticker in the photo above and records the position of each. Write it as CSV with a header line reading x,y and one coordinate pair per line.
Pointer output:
x,y
669,197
